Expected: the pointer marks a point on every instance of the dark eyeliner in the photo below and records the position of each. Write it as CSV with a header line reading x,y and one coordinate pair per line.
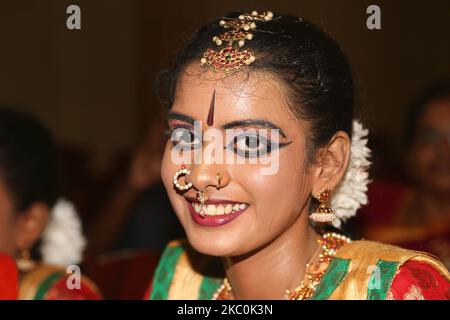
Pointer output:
x,y
247,154
176,144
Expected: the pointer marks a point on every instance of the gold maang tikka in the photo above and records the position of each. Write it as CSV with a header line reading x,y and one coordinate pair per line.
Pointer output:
x,y
230,59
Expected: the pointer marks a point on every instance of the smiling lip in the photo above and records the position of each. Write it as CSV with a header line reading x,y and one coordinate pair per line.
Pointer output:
x,y
217,220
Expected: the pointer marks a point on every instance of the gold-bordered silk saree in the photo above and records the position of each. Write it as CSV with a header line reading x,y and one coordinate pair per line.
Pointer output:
x,y
360,270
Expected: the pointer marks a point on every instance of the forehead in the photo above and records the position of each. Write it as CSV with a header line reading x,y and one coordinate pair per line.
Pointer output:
x,y
239,95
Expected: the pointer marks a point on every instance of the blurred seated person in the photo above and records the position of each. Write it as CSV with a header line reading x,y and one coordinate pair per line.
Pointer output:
x,y
138,214
41,232
416,215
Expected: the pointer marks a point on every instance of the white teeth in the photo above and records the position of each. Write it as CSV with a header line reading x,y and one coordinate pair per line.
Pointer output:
x,y
211,210
220,210
228,208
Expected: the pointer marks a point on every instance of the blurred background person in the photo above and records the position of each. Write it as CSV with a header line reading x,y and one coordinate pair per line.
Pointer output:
x,y
130,229
416,214
137,214
41,232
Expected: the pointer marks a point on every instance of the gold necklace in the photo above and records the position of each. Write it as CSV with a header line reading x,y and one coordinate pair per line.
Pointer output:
x,y
329,243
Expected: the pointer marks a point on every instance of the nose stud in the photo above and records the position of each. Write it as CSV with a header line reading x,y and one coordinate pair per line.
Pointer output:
x,y
219,179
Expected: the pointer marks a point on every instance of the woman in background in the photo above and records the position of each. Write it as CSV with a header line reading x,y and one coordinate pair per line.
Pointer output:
x,y
417,215
31,217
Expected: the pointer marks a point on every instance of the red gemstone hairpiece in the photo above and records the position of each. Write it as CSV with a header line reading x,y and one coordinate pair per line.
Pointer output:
x,y
230,58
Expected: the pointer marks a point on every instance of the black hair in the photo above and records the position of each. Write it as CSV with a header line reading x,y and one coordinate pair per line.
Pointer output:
x,y
28,160
437,90
316,73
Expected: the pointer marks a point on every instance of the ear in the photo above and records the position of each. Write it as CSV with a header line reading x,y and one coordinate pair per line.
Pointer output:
x,y
331,163
30,225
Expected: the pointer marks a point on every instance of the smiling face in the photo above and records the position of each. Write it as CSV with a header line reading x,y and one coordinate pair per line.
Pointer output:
x,y
262,206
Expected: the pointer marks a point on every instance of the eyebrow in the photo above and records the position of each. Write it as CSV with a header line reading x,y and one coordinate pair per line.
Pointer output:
x,y
254,122
179,116
234,124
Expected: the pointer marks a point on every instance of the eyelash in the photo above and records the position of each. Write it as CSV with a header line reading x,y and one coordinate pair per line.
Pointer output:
x,y
232,145
247,154
188,129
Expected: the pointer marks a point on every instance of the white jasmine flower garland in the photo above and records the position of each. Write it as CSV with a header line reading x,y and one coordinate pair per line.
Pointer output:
x,y
351,193
63,241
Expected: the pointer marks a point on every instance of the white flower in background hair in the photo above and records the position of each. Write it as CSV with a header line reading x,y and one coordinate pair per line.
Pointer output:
x,y
351,193
63,241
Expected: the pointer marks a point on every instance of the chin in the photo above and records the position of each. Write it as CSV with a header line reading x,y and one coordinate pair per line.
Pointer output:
x,y
212,245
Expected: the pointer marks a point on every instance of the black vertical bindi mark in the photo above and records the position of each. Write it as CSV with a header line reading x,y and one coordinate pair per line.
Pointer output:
x,y
210,120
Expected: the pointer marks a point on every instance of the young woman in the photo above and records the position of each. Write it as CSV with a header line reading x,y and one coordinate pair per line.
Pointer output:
x,y
30,215
259,89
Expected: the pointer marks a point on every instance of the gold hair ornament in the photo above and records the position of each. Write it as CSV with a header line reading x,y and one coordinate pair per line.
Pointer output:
x,y
230,58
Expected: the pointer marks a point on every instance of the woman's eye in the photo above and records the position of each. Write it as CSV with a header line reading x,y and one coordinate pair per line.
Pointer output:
x,y
184,138
250,145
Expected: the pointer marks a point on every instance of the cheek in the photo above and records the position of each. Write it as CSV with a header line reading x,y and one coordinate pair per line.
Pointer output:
x,y
280,186
278,198
168,169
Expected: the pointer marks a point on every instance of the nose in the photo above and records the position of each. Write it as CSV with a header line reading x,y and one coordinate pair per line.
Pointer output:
x,y
203,176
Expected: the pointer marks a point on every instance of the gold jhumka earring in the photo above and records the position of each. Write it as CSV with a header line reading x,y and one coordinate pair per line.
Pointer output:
x,y
323,213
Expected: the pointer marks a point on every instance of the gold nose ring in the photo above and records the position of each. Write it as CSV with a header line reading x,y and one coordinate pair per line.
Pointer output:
x,y
181,172
219,177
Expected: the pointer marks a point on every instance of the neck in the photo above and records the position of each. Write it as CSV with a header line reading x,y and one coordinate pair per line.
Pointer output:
x,y
268,272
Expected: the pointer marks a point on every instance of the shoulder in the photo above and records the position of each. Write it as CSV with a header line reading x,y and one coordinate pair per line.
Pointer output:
x,y
419,279
361,249
382,269
47,282
183,273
